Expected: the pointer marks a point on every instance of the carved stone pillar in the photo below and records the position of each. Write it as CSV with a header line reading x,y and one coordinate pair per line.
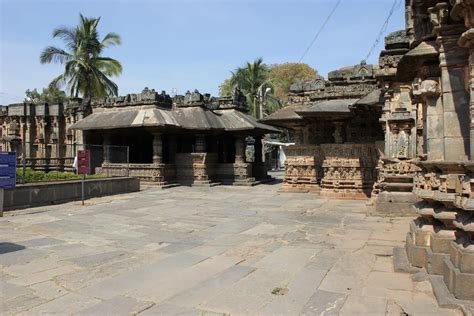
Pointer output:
x,y
200,144
41,137
299,137
172,146
453,61
55,137
306,134
455,114
240,149
157,149
467,40
106,146
23,131
28,138
79,134
433,131
338,132
258,149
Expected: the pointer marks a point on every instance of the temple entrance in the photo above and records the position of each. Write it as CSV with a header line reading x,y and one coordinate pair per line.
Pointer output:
x,y
139,142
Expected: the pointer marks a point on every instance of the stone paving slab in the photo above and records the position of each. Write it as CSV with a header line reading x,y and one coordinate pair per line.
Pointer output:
x,y
200,251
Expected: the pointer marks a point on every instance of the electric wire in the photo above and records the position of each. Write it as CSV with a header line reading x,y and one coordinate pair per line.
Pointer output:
x,y
383,29
320,30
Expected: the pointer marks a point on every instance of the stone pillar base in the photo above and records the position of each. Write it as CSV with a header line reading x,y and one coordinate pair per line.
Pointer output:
x,y
439,252
394,204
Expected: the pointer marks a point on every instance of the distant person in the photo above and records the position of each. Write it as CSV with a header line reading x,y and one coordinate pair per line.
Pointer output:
x,y
74,164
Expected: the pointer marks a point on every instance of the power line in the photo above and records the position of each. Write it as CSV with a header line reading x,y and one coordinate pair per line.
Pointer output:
x,y
320,30
395,5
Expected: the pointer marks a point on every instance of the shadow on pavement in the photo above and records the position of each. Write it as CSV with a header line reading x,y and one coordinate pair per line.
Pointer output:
x,y
6,247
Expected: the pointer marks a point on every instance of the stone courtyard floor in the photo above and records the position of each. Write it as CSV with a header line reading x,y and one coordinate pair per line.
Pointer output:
x,y
206,251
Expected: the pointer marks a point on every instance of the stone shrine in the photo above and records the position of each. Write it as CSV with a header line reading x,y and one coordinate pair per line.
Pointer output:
x,y
193,139
336,142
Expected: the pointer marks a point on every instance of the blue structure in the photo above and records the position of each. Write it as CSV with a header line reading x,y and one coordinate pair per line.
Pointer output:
x,y
7,170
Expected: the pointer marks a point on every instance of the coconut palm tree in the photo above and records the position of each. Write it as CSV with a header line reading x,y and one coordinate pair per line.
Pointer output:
x,y
86,71
253,80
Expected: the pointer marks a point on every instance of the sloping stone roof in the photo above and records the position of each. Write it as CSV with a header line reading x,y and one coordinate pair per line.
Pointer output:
x,y
234,120
189,118
328,106
193,111
284,114
133,117
371,99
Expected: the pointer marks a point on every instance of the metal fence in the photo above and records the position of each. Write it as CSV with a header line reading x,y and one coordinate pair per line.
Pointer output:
x,y
40,162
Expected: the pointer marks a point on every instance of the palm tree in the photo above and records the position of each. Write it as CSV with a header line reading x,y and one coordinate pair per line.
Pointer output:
x,y
86,72
253,81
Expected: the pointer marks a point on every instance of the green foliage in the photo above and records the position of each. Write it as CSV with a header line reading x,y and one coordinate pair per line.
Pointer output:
x,y
268,84
226,88
253,80
86,72
285,74
32,175
51,95
41,176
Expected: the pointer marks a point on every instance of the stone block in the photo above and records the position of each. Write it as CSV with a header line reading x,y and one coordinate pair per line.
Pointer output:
x,y
434,126
441,241
458,283
456,102
417,255
395,203
461,259
456,148
435,148
435,262
456,123
452,79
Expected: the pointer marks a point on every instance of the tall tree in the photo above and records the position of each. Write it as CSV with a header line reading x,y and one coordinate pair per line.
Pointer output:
x,y
274,82
50,94
254,82
285,74
86,71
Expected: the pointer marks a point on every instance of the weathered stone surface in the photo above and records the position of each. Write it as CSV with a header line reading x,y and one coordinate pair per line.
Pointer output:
x,y
265,255
324,303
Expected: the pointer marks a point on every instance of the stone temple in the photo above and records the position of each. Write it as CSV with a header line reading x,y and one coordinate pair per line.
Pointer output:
x,y
400,133
336,140
193,139
404,129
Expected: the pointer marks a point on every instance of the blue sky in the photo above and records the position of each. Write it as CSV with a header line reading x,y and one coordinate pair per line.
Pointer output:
x,y
190,44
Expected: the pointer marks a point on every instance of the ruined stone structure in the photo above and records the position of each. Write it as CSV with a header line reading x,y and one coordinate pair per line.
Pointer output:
x,y
440,66
335,151
193,139
39,133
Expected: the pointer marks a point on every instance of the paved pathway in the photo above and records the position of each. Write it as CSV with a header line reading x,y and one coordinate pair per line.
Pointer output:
x,y
201,251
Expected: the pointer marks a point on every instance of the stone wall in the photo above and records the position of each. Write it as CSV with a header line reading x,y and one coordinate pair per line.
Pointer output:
x,y
303,168
38,194
335,170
